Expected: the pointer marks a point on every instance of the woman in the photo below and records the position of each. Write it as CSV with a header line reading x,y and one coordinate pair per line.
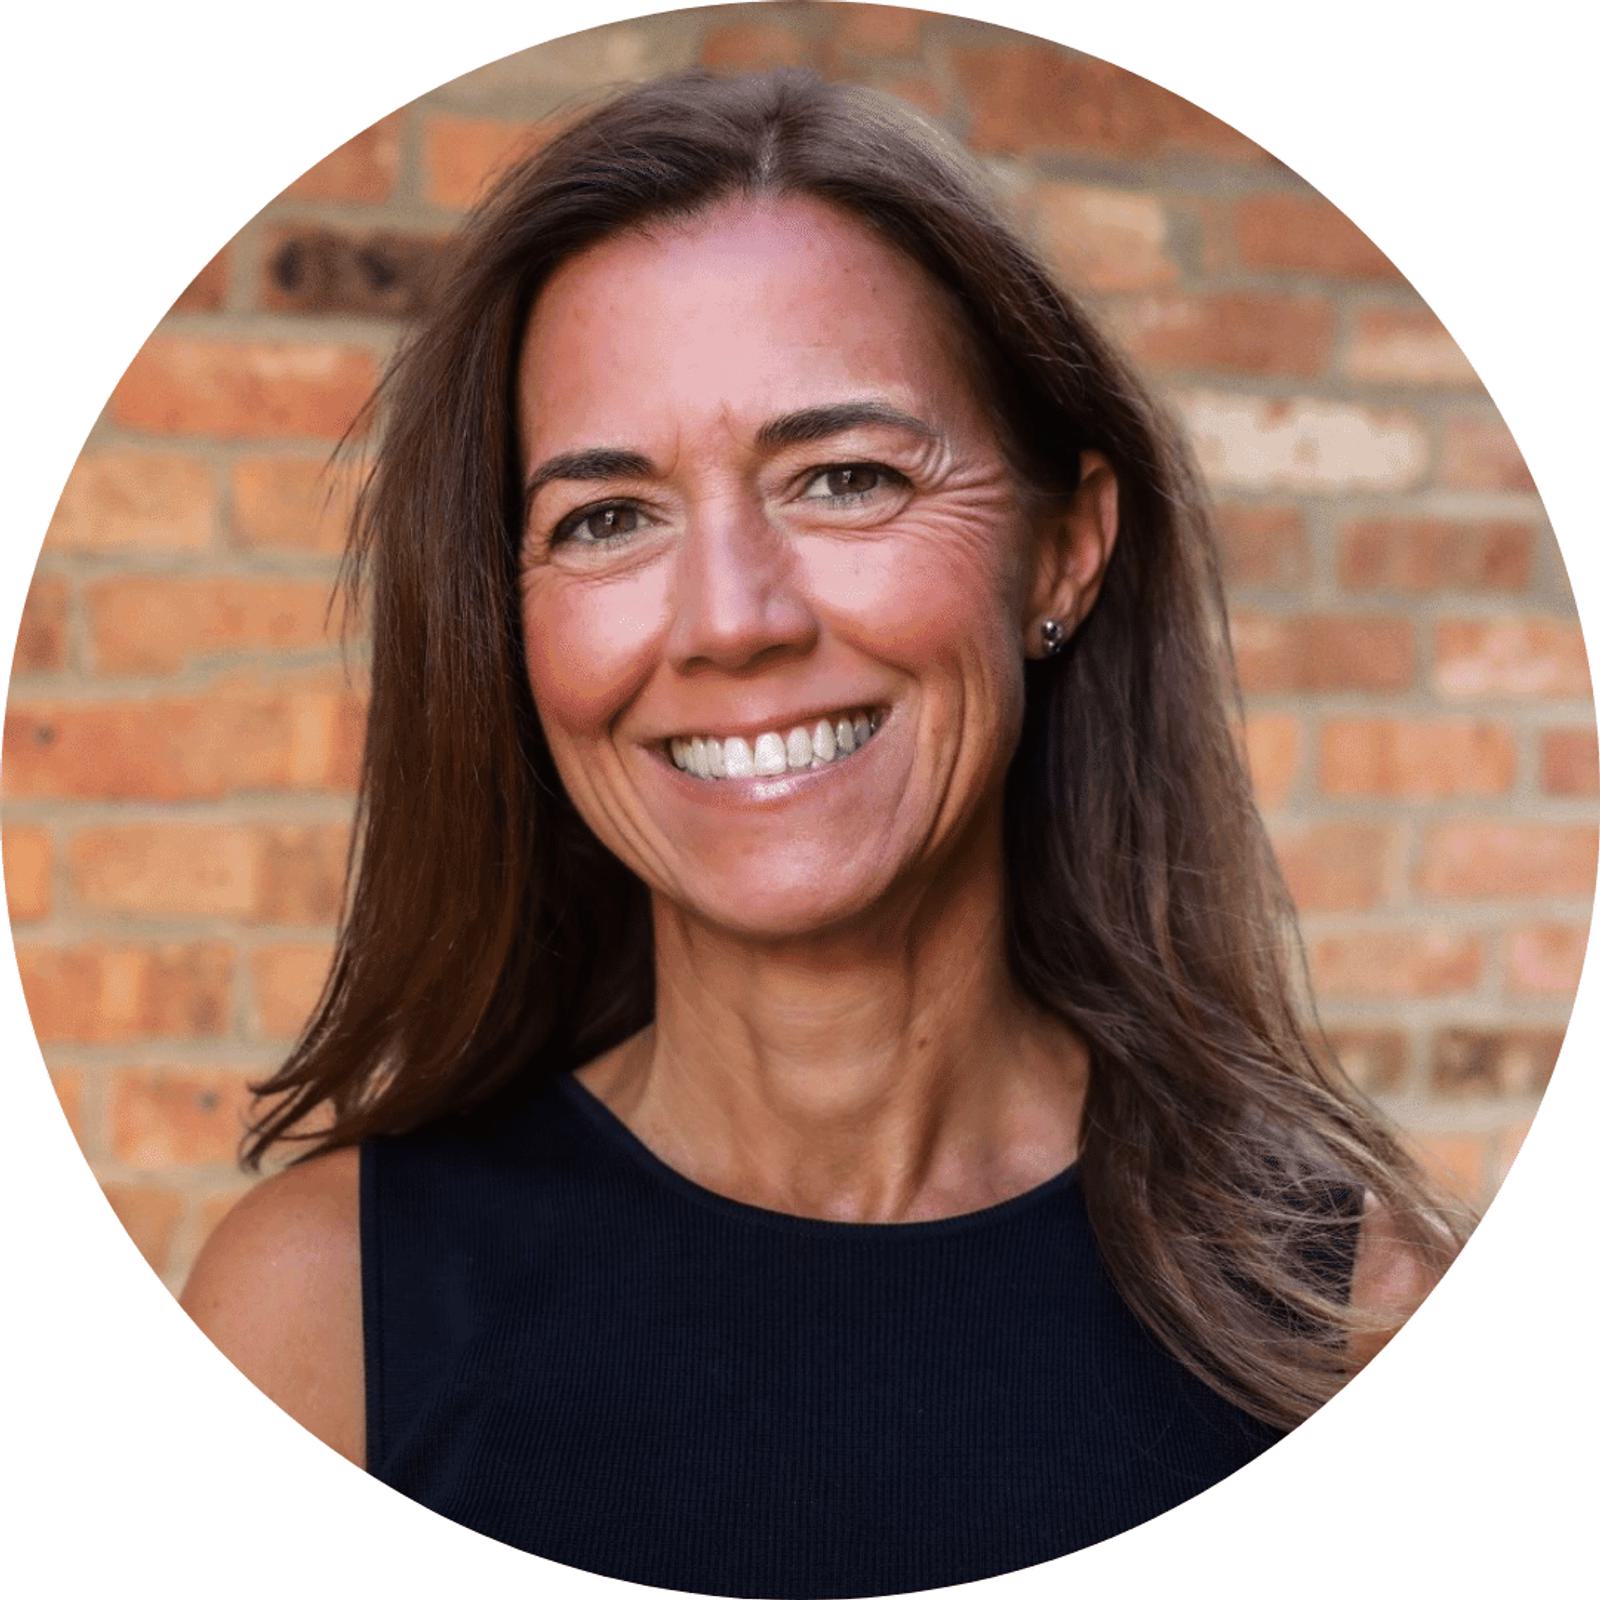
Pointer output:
x,y
814,1095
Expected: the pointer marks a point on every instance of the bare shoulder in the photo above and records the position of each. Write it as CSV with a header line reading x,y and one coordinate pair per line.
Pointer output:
x,y
277,1288
1391,1277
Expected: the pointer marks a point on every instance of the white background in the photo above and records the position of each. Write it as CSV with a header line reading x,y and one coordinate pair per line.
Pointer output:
x,y
139,138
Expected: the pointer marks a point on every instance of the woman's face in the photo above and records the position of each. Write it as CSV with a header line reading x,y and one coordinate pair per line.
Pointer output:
x,y
778,573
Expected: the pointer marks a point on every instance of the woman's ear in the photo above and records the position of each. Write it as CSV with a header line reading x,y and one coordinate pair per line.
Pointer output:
x,y
1073,540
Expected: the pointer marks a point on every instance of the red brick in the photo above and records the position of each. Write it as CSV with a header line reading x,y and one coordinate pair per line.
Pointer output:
x,y
42,634
363,168
346,738
134,500
283,503
1335,866
1395,964
1302,444
208,289
1305,234
1544,959
154,625
1402,345
328,271
1103,238
150,1213
1263,546
287,979
259,735
1493,1062
1471,859
1374,1059
907,78
27,854
243,388
577,63
302,873
249,872
920,90
1310,652
98,993
167,869
1211,222
1272,752
754,46
1568,761
1417,555
878,30
1027,97
1507,1147
163,1117
460,154
1457,1162
1510,658
1416,758
1479,453
1233,332
69,1087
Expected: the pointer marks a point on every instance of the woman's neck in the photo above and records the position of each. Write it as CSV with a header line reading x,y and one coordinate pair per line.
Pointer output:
x,y
886,1071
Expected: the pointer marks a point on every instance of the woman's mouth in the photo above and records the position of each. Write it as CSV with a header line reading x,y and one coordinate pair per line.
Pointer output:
x,y
823,742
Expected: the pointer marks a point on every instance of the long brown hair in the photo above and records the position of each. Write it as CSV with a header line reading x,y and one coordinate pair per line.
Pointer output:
x,y
487,935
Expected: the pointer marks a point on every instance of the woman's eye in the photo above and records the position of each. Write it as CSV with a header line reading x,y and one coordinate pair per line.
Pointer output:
x,y
598,524
848,482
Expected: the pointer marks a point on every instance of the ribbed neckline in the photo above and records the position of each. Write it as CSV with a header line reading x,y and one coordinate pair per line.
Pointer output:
x,y
619,1135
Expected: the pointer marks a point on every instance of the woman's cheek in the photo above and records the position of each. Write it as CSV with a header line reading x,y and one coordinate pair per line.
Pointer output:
x,y
588,644
924,589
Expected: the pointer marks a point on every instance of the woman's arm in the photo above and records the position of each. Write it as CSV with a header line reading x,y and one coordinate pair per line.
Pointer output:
x,y
277,1288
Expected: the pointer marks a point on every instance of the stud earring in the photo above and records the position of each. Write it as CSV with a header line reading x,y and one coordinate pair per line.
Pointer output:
x,y
1054,635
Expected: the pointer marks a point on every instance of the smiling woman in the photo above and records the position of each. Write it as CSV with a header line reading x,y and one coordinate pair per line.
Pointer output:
x,y
820,1103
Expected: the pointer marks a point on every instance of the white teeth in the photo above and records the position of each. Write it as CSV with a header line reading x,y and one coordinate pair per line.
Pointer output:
x,y
771,756
736,758
801,749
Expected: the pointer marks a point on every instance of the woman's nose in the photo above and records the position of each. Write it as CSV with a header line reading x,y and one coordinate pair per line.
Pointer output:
x,y
737,598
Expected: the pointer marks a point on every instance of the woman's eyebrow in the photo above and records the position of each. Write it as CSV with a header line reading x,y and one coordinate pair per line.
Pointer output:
x,y
587,466
818,422
793,427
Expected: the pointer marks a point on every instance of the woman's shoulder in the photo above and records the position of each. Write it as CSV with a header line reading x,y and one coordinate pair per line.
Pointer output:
x,y
277,1288
1391,1277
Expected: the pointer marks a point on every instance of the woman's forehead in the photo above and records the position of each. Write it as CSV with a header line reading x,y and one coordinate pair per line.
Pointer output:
x,y
754,307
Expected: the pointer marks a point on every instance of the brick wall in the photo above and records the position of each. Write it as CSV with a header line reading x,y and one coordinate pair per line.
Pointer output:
x,y
182,732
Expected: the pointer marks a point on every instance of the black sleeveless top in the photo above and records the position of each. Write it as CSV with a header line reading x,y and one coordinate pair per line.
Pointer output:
x,y
575,1349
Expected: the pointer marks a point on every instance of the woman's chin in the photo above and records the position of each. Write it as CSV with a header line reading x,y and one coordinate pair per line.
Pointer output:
x,y
807,906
